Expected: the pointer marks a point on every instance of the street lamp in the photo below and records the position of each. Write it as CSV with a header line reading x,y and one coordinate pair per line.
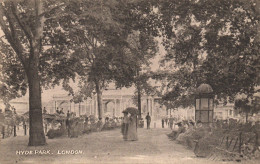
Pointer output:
x,y
204,106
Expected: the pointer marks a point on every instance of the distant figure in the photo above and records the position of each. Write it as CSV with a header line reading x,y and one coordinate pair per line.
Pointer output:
x,y
68,114
132,128
148,120
106,119
69,122
14,110
171,121
24,126
61,111
73,129
166,121
86,119
44,110
3,131
57,111
162,122
124,128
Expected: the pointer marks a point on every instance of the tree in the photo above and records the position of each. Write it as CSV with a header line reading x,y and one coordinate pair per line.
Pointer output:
x,y
23,25
143,47
247,104
141,20
100,39
212,42
12,82
25,40
96,42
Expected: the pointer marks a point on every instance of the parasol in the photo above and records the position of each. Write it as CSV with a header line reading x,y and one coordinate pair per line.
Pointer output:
x,y
131,110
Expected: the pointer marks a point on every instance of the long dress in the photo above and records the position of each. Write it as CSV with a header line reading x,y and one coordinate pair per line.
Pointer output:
x,y
125,127
132,129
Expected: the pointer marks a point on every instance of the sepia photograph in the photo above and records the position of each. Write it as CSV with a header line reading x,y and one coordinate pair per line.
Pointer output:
x,y
129,81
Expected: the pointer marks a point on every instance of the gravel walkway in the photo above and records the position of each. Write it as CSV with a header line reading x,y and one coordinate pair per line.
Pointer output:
x,y
153,146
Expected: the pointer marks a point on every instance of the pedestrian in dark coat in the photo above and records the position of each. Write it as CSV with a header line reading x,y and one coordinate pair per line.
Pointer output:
x,y
162,122
148,120
124,128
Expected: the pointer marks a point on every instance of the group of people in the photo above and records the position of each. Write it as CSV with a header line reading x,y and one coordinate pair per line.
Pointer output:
x,y
183,126
59,111
129,127
72,123
168,121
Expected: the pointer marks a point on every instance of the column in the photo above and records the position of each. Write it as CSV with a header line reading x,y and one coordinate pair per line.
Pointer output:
x,y
74,107
115,106
92,106
55,106
152,110
149,106
120,105
95,107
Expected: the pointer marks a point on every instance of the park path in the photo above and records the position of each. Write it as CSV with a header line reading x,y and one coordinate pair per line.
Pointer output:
x,y
152,146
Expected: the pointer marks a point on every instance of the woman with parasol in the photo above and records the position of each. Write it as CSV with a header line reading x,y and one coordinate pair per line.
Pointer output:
x,y
132,124
125,122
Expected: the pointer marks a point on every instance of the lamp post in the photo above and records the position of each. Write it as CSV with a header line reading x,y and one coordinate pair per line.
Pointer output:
x,y
204,106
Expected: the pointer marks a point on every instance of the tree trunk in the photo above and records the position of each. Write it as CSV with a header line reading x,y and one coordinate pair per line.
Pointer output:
x,y
36,132
139,102
99,101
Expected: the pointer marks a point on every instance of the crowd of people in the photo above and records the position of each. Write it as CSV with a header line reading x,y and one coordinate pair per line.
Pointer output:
x,y
74,126
10,122
170,121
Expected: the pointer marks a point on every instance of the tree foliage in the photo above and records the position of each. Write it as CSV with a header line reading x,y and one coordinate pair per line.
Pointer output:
x,y
211,42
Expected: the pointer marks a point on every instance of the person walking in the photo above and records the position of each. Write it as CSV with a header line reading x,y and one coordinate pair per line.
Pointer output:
x,y
148,120
3,131
132,128
166,121
44,110
124,128
68,124
171,121
162,122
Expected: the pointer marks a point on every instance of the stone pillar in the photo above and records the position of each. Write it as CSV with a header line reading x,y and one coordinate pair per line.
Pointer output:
x,y
152,106
74,107
120,107
147,105
95,107
55,106
115,108
91,106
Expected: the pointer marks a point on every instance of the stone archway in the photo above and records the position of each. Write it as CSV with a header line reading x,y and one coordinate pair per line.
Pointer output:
x,y
109,108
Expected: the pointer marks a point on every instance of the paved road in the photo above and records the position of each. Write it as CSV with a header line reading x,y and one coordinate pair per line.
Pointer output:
x,y
153,146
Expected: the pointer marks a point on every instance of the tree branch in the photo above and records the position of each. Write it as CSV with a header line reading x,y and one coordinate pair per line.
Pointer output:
x,y
23,26
11,35
50,10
